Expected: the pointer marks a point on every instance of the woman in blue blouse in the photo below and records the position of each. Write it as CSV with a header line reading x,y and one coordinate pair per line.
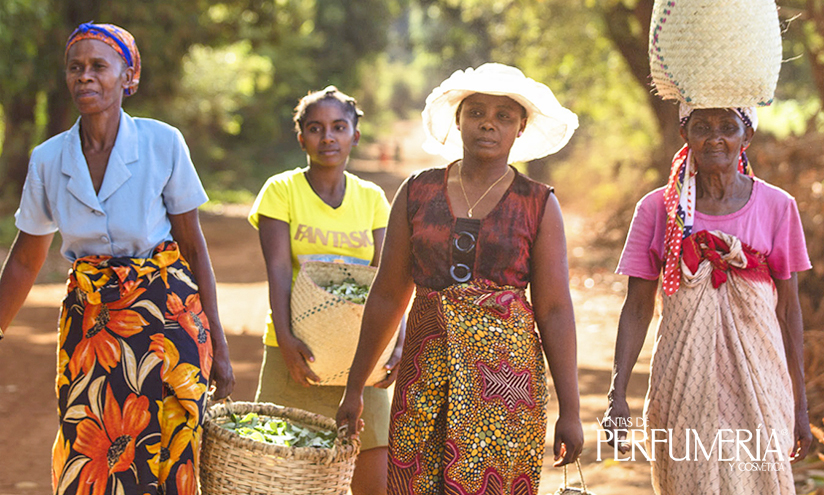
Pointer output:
x,y
140,342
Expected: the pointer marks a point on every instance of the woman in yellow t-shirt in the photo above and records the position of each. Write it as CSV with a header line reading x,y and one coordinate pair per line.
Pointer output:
x,y
321,212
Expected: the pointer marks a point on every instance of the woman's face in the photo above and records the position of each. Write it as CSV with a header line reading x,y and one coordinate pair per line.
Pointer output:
x,y
716,136
489,124
328,134
96,76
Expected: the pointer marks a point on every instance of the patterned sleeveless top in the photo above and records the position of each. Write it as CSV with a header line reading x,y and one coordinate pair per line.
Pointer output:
x,y
448,250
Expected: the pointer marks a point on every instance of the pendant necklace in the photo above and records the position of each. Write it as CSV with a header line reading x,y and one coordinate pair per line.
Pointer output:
x,y
460,181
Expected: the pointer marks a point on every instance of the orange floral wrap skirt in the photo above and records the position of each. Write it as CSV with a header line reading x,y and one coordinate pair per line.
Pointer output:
x,y
469,411
134,358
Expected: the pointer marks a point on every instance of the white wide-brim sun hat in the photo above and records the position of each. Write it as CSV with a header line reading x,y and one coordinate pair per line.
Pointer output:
x,y
549,125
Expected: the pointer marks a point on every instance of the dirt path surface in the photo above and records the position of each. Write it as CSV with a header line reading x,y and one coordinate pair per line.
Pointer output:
x,y
28,420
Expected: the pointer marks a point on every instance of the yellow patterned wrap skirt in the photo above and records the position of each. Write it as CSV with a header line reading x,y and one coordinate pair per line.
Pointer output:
x,y
469,412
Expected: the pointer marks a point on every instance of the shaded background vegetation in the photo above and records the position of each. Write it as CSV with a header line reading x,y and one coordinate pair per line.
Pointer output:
x,y
228,74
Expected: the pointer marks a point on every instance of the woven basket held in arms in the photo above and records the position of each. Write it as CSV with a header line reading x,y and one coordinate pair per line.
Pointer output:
x,y
715,53
330,325
231,464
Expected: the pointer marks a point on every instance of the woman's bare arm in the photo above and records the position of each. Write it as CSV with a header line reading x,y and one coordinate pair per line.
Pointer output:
x,y
636,315
788,311
26,258
379,235
385,306
555,318
189,237
277,252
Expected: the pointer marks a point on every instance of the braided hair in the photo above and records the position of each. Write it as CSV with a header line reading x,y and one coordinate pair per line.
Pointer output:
x,y
349,105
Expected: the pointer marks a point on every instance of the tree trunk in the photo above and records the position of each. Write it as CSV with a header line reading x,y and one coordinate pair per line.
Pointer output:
x,y
815,52
20,128
60,112
633,45
666,112
17,143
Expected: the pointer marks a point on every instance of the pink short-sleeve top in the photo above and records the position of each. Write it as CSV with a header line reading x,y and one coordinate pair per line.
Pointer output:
x,y
769,222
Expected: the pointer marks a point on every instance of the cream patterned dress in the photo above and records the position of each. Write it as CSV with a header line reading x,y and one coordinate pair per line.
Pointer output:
x,y
719,377
720,392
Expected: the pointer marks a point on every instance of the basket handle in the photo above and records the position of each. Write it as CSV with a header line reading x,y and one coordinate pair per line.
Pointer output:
x,y
580,474
227,402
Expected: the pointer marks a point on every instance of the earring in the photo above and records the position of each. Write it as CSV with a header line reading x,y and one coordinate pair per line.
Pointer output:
x,y
519,133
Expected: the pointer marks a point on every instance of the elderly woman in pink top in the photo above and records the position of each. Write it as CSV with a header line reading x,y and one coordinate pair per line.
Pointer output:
x,y
726,389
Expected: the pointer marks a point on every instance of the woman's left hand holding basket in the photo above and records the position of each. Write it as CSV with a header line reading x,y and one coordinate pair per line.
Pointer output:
x,y
349,412
222,378
569,440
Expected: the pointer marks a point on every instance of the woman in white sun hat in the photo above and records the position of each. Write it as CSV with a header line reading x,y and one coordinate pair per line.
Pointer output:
x,y
468,415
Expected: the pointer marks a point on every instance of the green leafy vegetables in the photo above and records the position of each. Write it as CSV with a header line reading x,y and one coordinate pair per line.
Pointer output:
x,y
350,290
277,431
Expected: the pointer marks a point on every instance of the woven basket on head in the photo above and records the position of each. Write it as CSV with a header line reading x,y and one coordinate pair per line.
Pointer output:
x,y
330,325
715,53
231,464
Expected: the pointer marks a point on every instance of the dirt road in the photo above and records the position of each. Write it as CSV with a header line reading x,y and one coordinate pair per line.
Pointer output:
x,y
28,418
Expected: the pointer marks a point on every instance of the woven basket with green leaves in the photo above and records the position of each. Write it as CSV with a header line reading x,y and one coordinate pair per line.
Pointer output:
x,y
231,463
330,324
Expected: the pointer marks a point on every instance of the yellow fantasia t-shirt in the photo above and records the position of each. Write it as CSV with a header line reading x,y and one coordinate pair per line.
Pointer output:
x,y
318,231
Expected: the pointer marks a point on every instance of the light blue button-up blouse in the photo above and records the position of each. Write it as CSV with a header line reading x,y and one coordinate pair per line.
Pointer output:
x,y
149,176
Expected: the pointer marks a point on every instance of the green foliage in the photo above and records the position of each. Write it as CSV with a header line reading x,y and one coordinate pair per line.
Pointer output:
x,y
219,198
785,118
349,289
225,79
217,85
25,29
586,73
278,431
229,73
7,230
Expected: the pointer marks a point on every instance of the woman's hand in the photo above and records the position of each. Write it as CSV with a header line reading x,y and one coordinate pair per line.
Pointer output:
x,y
569,440
349,413
297,356
222,376
802,437
616,418
392,364
390,367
